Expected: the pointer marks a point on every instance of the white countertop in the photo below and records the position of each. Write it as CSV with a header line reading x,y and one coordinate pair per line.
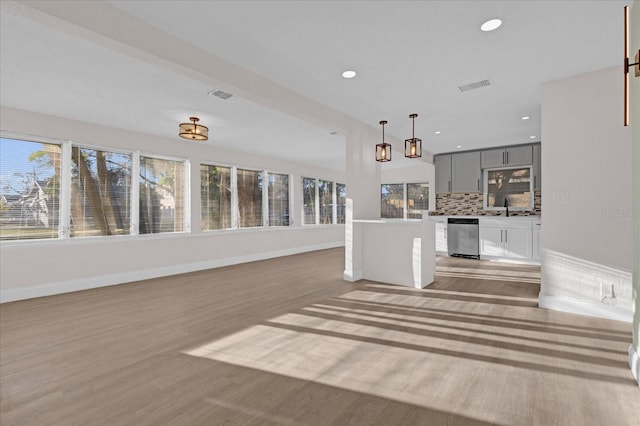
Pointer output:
x,y
444,218
389,221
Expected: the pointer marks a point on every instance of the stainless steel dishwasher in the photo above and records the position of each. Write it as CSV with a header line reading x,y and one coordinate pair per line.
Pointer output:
x,y
463,237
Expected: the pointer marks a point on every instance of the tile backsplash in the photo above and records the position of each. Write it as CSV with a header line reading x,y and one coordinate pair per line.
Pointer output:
x,y
470,204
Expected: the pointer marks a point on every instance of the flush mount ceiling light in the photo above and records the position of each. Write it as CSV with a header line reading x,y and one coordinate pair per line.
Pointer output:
x,y
413,146
490,25
383,150
526,117
627,64
349,74
193,130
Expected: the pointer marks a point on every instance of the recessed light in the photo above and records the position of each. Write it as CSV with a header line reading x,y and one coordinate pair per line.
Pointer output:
x,y
532,137
349,74
437,132
491,25
526,117
459,146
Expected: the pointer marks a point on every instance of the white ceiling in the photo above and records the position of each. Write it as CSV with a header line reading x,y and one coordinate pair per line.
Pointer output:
x,y
410,57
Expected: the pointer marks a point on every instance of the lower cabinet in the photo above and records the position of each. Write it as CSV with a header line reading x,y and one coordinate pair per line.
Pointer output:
x,y
491,242
441,237
537,244
508,242
500,238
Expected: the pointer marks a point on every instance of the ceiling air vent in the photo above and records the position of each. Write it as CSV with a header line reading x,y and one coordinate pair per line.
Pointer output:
x,y
220,94
476,85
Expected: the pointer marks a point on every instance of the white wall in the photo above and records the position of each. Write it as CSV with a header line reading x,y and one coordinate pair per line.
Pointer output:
x,y
587,241
634,350
32,269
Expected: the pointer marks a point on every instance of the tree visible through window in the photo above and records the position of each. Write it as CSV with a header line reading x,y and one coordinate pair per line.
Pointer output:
x,y
29,189
341,201
392,201
278,199
161,195
325,197
215,197
511,188
417,199
309,200
249,198
100,193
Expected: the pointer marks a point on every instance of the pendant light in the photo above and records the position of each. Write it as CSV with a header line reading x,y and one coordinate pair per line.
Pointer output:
x,y
413,146
383,150
193,130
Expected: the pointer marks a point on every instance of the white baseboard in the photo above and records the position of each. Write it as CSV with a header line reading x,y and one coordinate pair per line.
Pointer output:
x,y
634,364
563,304
49,289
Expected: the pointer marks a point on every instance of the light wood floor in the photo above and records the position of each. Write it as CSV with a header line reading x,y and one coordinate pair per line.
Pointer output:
x,y
286,341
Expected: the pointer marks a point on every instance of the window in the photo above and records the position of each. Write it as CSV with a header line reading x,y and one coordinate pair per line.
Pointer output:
x,y
341,201
325,197
29,189
321,203
249,198
215,197
403,201
512,187
417,199
278,200
162,195
392,201
100,193
309,201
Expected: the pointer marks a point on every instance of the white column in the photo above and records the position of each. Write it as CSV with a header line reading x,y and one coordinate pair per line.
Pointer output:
x,y
363,194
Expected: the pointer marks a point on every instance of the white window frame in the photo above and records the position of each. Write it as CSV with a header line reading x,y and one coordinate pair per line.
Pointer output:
x,y
234,198
186,225
485,175
236,204
134,194
335,203
334,215
405,199
266,202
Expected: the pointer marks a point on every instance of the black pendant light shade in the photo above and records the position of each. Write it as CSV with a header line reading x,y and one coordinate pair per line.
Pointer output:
x,y
413,146
383,150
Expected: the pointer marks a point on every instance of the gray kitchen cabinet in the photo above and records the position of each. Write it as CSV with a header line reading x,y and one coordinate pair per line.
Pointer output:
x,y
512,156
537,166
519,155
466,172
493,158
443,173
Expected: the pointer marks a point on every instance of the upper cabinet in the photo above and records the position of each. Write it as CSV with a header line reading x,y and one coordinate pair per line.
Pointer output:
x,y
512,156
461,172
465,172
537,167
443,173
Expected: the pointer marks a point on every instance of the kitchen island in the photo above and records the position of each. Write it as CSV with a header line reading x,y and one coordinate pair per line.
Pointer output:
x,y
398,252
